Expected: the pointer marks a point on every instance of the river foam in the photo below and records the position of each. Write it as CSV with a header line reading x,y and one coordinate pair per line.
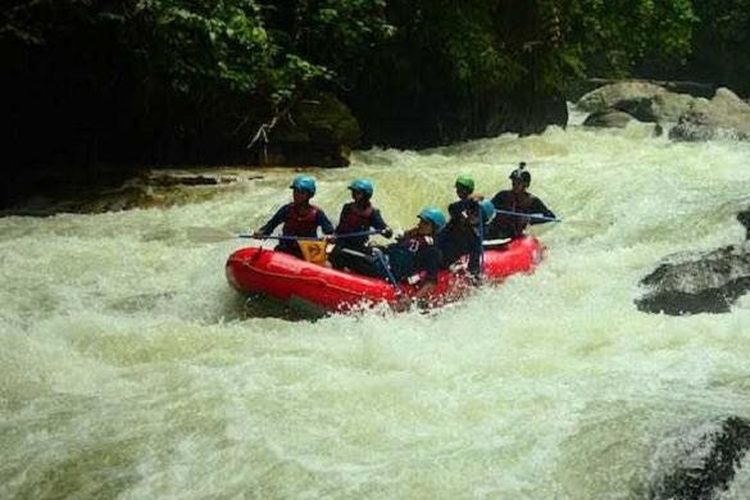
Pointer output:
x,y
129,369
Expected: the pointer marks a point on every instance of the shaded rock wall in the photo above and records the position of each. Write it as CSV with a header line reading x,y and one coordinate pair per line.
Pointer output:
x,y
414,122
319,130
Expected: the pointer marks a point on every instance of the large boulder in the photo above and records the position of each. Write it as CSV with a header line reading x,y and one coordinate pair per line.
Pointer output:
x,y
645,101
699,462
725,115
608,96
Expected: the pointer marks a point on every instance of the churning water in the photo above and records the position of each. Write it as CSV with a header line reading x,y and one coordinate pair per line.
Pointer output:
x,y
128,368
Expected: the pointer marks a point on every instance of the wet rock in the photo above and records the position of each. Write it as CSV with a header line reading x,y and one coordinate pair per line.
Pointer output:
x,y
640,108
169,180
724,116
92,202
612,119
608,96
697,119
699,463
148,189
643,100
698,283
744,218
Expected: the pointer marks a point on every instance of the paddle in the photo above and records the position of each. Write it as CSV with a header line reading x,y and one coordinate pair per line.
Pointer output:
x,y
215,235
593,223
481,243
389,274
497,242
529,216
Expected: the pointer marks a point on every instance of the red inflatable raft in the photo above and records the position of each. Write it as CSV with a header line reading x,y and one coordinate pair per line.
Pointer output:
x,y
288,279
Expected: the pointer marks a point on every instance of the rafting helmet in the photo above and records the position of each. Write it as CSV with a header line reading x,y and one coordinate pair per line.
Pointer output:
x,y
433,215
488,211
304,183
362,185
521,174
466,182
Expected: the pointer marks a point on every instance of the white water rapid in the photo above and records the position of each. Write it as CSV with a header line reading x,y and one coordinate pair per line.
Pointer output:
x,y
128,368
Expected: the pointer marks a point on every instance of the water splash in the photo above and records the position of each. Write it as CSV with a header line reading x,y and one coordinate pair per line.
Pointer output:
x,y
129,367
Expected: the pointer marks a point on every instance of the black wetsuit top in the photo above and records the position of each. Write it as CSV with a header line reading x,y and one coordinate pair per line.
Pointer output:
x,y
508,226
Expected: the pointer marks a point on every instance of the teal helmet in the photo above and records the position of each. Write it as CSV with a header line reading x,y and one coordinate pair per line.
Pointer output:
x,y
362,185
433,215
304,183
488,211
466,182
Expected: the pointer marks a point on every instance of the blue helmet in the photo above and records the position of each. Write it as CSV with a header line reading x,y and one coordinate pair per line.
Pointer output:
x,y
433,215
488,210
304,183
362,185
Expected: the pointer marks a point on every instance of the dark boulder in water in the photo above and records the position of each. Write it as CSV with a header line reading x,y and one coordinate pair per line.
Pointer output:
x,y
697,283
692,283
698,463
744,218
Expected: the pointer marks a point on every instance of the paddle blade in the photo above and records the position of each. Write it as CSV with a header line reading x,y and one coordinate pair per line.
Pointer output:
x,y
496,243
314,251
209,234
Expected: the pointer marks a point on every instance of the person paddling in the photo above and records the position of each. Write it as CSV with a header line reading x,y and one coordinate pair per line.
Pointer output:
x,y
414,253
458,210
300,217
460,236
519,200
457,243
357,216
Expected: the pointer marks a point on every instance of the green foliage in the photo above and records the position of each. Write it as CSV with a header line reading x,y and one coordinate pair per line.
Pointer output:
x,y
199,44
470,49
613,36
236,46
219,69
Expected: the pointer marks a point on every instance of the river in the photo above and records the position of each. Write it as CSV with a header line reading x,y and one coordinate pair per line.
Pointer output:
x,y
129,369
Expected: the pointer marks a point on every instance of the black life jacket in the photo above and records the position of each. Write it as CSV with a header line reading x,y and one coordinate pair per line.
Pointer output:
x,y
403,254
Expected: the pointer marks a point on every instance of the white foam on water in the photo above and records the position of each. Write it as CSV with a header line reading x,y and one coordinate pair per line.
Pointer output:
x,y
128,369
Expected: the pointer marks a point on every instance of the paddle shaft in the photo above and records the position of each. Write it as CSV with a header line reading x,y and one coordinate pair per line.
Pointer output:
x,y
481,245
388,272
307,238
530,216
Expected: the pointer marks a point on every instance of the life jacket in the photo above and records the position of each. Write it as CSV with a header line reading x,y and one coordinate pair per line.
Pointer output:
x,y
402,255
299,223
355,218
459,225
